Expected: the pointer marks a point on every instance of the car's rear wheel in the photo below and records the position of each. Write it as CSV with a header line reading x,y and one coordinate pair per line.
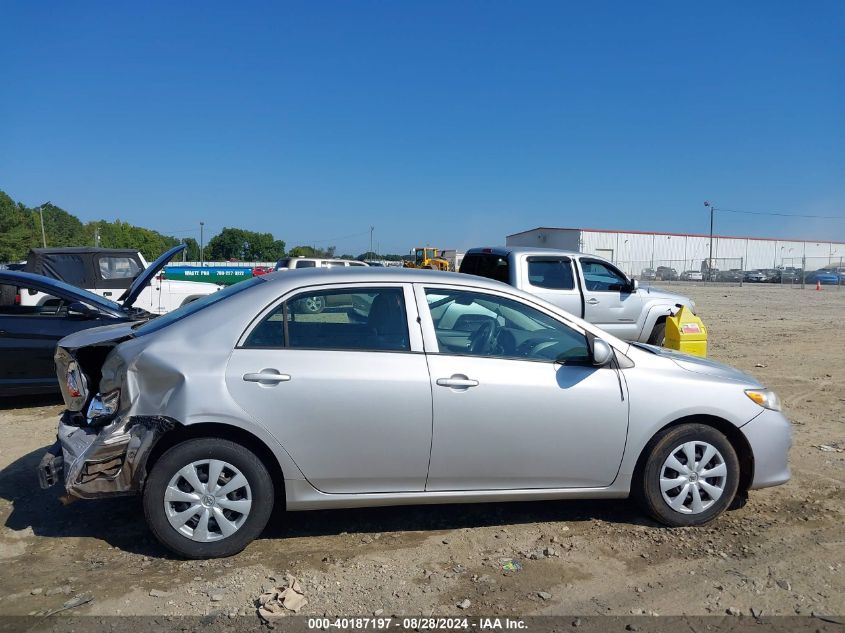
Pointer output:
x,y
208,498
690,476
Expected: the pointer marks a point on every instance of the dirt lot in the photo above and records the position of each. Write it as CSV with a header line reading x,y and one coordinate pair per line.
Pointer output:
x,y
781,554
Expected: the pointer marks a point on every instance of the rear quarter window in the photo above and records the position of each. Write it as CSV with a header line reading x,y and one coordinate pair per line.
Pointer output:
x,y
487,265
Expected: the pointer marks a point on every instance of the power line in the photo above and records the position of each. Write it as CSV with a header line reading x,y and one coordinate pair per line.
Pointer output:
x,y
333,239
782,215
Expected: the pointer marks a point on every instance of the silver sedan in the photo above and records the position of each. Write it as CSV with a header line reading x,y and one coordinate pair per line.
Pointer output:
x,y
410,387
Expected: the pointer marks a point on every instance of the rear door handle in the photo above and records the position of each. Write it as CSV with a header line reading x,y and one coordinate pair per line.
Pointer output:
x,y
592,302
266,377
457,382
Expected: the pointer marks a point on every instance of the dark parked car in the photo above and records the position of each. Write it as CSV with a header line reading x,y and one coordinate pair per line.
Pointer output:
x,y
665,273
786,275
29,333
756,276
648,274
732,275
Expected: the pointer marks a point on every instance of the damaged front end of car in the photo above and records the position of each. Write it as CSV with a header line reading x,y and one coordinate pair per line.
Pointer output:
x,y
101,449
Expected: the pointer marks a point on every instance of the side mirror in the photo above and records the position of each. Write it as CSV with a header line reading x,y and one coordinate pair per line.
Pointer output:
x,y
635,285
602,352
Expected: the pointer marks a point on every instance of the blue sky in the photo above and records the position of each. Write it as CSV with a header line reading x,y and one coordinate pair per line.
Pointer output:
x,y
447,123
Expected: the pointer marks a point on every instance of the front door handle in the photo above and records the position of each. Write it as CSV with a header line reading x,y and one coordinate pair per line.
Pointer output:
x,y
266,377
592,302
457,381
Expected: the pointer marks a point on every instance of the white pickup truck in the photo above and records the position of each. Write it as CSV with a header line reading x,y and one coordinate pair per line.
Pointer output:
x,y
584,285
109,272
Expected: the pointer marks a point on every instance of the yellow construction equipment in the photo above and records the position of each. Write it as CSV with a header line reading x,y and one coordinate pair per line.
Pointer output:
x,y
427,257
685,332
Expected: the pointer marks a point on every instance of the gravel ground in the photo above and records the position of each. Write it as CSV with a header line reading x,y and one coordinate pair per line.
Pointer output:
x,y
782,554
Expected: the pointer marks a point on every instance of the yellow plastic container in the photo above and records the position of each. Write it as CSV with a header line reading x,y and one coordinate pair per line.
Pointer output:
x,y
686,333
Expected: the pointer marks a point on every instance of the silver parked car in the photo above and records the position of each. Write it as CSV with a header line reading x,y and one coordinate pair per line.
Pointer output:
x,y
448,388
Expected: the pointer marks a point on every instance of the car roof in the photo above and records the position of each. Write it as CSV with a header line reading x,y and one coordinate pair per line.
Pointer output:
x,y
83,250
525,250
324,259
376,274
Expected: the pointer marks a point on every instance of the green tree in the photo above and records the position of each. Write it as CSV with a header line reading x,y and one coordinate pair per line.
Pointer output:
x,y
20,230
17,230
232,243
192,253
302,251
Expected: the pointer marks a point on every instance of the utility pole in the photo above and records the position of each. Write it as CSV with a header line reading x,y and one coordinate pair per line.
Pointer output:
x,y
710,260
372,228
202,244
43,233
97,236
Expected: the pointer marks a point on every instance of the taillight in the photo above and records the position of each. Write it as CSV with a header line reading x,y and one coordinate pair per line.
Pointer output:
x,y
76,387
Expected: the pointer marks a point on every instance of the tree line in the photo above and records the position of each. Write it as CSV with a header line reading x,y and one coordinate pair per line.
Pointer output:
x,y
20,230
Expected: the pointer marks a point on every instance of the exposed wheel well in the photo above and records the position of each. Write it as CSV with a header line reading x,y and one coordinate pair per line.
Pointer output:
x,y
180,433
191,299
661,320
734,435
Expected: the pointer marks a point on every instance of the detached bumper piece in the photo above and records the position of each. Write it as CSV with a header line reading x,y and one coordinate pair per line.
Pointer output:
x,y
51,467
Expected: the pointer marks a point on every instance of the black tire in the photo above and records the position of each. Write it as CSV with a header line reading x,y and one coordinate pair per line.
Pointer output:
x,y
658,334
185,453
7,295
647,490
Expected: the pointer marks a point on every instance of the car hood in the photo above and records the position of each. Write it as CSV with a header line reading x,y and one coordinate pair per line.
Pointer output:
x,y
699,365
146,276
60,289
650,292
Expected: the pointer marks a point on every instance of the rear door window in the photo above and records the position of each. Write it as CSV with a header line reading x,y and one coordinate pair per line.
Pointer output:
x,y
554,273
118,267
365,319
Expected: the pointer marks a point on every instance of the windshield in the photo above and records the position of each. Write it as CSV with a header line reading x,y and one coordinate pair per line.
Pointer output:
x,y
195,306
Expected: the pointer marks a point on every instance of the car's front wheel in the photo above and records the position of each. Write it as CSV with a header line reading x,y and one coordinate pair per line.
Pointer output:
x,y
658,334
691,475
208,498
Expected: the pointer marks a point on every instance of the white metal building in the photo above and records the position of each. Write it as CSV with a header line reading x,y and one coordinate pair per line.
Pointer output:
x,y
634,250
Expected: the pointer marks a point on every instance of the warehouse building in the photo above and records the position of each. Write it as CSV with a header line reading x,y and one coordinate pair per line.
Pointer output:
x,y
635,251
